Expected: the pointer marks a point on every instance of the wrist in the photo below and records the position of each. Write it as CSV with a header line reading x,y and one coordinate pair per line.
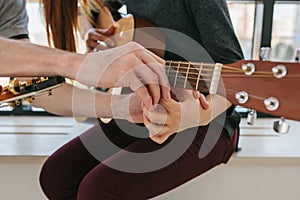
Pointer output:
x,y
70,65
120,105
112,106
191,111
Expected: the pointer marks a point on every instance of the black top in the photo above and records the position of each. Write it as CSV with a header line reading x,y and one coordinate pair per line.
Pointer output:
x,y
196,30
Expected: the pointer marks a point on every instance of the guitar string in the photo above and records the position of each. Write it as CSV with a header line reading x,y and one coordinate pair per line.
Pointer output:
x,y
261,74
229,90
251,93
229,70
207,74
212,65
256,96
228,75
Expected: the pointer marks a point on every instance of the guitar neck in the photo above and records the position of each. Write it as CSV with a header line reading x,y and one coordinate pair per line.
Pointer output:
x,y
265,86
269,87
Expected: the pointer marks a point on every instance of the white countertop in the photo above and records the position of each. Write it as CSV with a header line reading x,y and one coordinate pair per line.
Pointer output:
x,y
36,136
261,140
40,136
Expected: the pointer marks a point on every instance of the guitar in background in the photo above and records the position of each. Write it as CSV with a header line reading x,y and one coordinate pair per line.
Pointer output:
x,y
16,91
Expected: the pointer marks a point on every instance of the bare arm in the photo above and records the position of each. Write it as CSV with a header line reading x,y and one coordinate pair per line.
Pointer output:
x,y
19,58
69,100
130,65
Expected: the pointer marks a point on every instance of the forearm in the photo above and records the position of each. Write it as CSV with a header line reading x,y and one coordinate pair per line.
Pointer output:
x,y
72,101
20,58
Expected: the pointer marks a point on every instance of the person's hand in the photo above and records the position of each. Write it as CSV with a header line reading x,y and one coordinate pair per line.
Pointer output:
x,y
130,65
175,116
100,39
133,112
203,101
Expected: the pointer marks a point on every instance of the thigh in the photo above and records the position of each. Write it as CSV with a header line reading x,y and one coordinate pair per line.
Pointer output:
x,y
63,171
107,181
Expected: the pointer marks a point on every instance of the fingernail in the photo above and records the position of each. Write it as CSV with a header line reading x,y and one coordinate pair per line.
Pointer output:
x,y
111,43
152,108
168,96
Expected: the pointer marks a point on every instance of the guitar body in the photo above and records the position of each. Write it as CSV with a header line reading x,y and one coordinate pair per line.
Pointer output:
x,y
130,28
124,31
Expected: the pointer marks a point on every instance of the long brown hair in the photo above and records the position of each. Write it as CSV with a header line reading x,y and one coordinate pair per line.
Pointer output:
x,y
61,20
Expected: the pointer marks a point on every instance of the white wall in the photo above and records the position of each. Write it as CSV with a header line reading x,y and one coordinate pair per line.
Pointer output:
x,y
271,180
267,168
19,178
242,179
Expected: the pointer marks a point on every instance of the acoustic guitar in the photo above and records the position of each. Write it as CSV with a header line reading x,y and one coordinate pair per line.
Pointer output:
x,y
268,87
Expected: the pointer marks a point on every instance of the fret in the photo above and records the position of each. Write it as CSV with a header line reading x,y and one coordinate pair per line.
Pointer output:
x,y
186,76
202,85
169,67
199,73
171,72
178,66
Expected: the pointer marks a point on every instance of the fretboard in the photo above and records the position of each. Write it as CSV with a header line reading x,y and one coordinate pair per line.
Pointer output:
x,y
203,77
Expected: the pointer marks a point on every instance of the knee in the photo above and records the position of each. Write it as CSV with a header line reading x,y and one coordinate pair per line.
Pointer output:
x,y
53,184
101,183
47,180
44,179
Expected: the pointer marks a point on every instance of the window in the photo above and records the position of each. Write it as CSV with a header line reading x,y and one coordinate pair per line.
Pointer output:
x,y
243,16
286,31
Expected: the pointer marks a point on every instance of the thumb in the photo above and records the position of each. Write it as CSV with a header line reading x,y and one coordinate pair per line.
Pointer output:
x,y
110,30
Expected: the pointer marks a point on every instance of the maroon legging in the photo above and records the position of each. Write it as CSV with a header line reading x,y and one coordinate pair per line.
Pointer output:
x,y
72,172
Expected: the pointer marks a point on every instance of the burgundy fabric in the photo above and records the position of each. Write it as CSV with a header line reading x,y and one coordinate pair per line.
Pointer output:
x,y
73,173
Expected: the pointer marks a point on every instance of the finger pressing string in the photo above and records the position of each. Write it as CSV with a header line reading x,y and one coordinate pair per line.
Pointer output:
x,y
158,69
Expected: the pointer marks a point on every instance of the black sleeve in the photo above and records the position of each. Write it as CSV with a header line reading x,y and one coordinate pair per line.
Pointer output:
x,y
216,31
